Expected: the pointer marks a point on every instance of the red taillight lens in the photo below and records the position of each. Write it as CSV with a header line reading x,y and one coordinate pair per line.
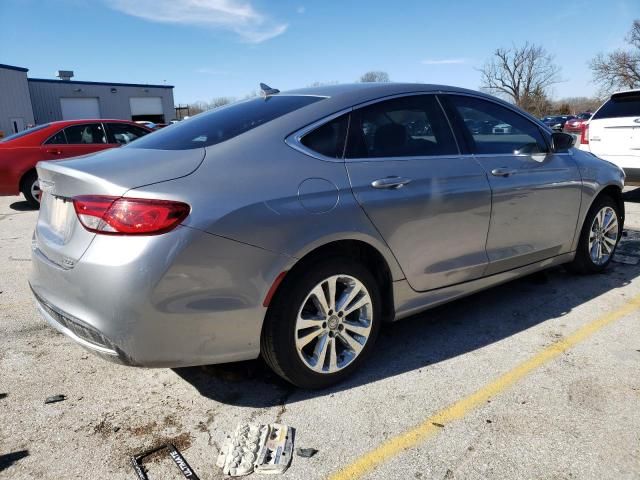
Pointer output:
x,y
128,216
584,134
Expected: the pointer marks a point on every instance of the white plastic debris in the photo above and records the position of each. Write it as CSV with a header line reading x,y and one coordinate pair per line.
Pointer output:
x,y
259,448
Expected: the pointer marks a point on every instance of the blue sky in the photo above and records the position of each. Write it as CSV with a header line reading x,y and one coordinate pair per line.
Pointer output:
x,y
210,48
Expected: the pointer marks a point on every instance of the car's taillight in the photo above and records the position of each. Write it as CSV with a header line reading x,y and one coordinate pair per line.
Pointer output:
x,y
128,216
584,134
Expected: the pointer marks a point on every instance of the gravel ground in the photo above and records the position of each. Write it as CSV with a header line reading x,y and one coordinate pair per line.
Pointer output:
x,y
575,417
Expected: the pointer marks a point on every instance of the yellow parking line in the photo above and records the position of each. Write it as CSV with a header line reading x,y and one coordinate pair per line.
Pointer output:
x,y
426,429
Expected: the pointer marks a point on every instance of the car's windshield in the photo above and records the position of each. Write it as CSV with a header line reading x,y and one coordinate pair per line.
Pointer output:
x,y
223,123
23,133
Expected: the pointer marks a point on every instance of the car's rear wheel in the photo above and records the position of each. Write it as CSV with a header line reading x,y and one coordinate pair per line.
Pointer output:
x,y
323,323
30,188
599,237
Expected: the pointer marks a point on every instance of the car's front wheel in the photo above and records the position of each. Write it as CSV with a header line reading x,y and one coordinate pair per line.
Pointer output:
x,y
30,188
599,237
323,323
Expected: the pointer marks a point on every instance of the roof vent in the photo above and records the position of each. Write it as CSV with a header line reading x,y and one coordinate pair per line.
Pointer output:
x,y
65,75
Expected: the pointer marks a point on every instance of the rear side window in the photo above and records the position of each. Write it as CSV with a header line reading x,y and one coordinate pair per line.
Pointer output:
x,y
412,126
621,105
328,140
223,123
88,133
493,129
57,139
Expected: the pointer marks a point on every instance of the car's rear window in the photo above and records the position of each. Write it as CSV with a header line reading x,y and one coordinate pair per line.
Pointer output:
x,y
223,123
620,105
23,133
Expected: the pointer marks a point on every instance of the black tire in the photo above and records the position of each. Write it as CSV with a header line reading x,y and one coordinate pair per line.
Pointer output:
x,y
25,187
583,263
278,341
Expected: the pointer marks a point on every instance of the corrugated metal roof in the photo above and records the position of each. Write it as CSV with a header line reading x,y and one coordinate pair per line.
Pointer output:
x,y
108,84
13,67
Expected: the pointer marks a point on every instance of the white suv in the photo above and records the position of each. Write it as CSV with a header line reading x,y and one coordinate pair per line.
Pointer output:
x,y
613,133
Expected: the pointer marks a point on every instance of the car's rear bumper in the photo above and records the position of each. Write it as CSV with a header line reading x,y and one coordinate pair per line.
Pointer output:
x,y
179,299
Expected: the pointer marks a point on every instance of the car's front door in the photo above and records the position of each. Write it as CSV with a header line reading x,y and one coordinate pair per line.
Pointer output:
x,y
535,191
123,133
431,205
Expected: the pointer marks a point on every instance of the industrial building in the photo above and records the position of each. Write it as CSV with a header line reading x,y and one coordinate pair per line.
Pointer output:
x,y
28,101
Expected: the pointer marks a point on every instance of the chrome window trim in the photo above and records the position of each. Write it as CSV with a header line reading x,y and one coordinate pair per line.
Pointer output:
x,y
294,139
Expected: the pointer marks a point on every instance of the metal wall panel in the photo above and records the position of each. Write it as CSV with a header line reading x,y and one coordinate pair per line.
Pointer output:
x,y
15,101
113,100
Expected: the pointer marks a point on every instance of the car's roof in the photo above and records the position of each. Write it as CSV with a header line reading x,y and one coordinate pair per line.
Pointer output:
x,y
59,123
622,92
374,88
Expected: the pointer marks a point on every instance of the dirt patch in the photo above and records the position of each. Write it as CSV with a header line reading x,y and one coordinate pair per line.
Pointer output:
x,y
145,429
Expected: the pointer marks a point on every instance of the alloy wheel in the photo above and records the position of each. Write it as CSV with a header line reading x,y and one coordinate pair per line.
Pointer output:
x,y
333,324
603,235
35,190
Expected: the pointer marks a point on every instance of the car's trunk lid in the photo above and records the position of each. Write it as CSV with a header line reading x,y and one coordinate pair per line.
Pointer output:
x,y
59,236
615,136
615,128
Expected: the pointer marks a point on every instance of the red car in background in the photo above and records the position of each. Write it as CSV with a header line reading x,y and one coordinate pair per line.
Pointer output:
x,y
19,153
575,125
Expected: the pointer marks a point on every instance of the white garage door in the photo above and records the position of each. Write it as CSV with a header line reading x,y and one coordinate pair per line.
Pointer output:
x,y
146,106
79,108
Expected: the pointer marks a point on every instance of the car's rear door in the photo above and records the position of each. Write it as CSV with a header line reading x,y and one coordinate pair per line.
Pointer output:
x,y
614,131
431,204
535,192
80,139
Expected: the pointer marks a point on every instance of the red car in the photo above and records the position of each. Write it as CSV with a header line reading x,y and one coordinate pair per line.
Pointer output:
x,y
19,153
575,124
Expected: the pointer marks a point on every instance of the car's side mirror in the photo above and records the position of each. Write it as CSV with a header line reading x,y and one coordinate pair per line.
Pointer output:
x,y
561,142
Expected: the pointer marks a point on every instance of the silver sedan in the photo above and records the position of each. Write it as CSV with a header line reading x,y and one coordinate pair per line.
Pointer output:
x,y
294,224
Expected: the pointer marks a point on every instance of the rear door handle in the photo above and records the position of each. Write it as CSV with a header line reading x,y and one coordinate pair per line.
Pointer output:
x,y
503,171
391,183
55,152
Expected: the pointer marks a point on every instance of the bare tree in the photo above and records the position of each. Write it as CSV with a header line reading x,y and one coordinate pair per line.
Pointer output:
x,y
220,102
521,74
576,105
374,76
619,69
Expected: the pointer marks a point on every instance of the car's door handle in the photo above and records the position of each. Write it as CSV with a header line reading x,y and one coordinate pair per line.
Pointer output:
x,y
503,171
392,183
55,152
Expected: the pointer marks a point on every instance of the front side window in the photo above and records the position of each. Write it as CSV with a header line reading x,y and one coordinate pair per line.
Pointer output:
x,y
620,105
223,123
123,133
57,139
493,129
328,140
87,133
412,126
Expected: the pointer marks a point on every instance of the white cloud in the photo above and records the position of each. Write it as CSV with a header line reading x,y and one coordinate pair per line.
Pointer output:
x,y
238,16
445,61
